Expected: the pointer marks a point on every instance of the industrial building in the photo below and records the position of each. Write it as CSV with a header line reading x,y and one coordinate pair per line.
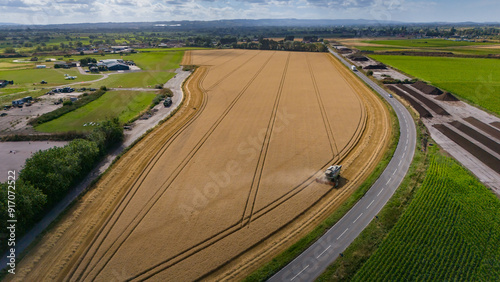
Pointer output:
x,y
113,64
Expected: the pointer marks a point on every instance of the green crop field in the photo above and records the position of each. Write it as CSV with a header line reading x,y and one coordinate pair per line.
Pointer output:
x,y
473,79
426,43
430,45
122,104
449,232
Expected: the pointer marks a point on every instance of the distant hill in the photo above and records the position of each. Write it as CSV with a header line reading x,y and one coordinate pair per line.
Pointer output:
x,y
233,23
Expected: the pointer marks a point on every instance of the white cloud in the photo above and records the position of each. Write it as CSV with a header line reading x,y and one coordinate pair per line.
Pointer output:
x,y
61,11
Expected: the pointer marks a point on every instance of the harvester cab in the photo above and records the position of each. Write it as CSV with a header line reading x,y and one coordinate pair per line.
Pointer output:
x,y
331,176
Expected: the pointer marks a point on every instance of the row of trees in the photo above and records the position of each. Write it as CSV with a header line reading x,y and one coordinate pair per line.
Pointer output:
x,y
269,44
48,175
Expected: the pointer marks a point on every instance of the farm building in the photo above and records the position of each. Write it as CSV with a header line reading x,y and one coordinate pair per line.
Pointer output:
x,y
62,65
41,66
120,49
118,66
113,64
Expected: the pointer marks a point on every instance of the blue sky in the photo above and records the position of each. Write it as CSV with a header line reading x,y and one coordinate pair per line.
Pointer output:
x,y
78,11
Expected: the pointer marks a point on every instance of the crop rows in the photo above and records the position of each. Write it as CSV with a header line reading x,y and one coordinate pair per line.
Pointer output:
x,y
450,231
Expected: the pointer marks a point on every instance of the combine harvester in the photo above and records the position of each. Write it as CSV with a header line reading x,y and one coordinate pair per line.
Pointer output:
x,y
331,176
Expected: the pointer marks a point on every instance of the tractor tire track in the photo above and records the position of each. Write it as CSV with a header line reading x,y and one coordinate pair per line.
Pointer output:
x,y
264,149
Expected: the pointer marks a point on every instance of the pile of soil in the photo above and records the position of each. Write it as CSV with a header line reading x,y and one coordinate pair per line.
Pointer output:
x,y
446,96
376,67
357,57
427,89
345,50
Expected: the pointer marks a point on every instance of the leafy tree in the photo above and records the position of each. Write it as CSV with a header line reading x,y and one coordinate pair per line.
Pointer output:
x,y
10,50
30,203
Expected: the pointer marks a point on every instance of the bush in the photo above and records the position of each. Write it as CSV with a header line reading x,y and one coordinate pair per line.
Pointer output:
x,y
369,73
30,203
10,50
166,92
55,170
107,134
189,67
67,103
158,86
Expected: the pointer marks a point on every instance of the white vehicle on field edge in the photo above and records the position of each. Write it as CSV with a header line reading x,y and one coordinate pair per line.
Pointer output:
x,y
353,68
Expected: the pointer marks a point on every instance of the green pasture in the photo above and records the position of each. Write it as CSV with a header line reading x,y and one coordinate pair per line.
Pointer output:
x,y
473,79
147,79
426,43
449,232
122,104
155,61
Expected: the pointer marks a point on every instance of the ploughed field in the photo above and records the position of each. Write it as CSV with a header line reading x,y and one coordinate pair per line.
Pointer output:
x,y
241,167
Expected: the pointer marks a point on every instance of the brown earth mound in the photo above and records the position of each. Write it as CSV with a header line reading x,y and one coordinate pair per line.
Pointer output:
x,y
357,57
376,67
446,96
427,89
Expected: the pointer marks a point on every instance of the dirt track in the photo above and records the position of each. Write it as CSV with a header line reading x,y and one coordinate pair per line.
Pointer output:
x,y
235,168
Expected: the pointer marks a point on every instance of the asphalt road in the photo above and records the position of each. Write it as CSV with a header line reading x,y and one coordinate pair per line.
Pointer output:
x,y
314,261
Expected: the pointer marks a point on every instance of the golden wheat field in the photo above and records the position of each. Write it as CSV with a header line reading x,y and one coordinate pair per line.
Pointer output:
x,y
208,192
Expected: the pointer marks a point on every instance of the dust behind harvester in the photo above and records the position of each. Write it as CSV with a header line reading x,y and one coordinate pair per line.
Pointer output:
x,y
331,176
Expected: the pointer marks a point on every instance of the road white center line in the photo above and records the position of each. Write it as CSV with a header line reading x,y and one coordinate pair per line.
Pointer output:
x,y
388,181
299,273
323,251
343,233
380,191
400,162
395,171
357,218
370,204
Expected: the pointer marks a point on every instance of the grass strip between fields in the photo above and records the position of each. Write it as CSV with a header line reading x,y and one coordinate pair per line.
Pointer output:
x,y
280,261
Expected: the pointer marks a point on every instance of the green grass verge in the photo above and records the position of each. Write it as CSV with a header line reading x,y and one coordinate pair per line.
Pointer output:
x,y
291,253
366,243
475,80
122,104
449,231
